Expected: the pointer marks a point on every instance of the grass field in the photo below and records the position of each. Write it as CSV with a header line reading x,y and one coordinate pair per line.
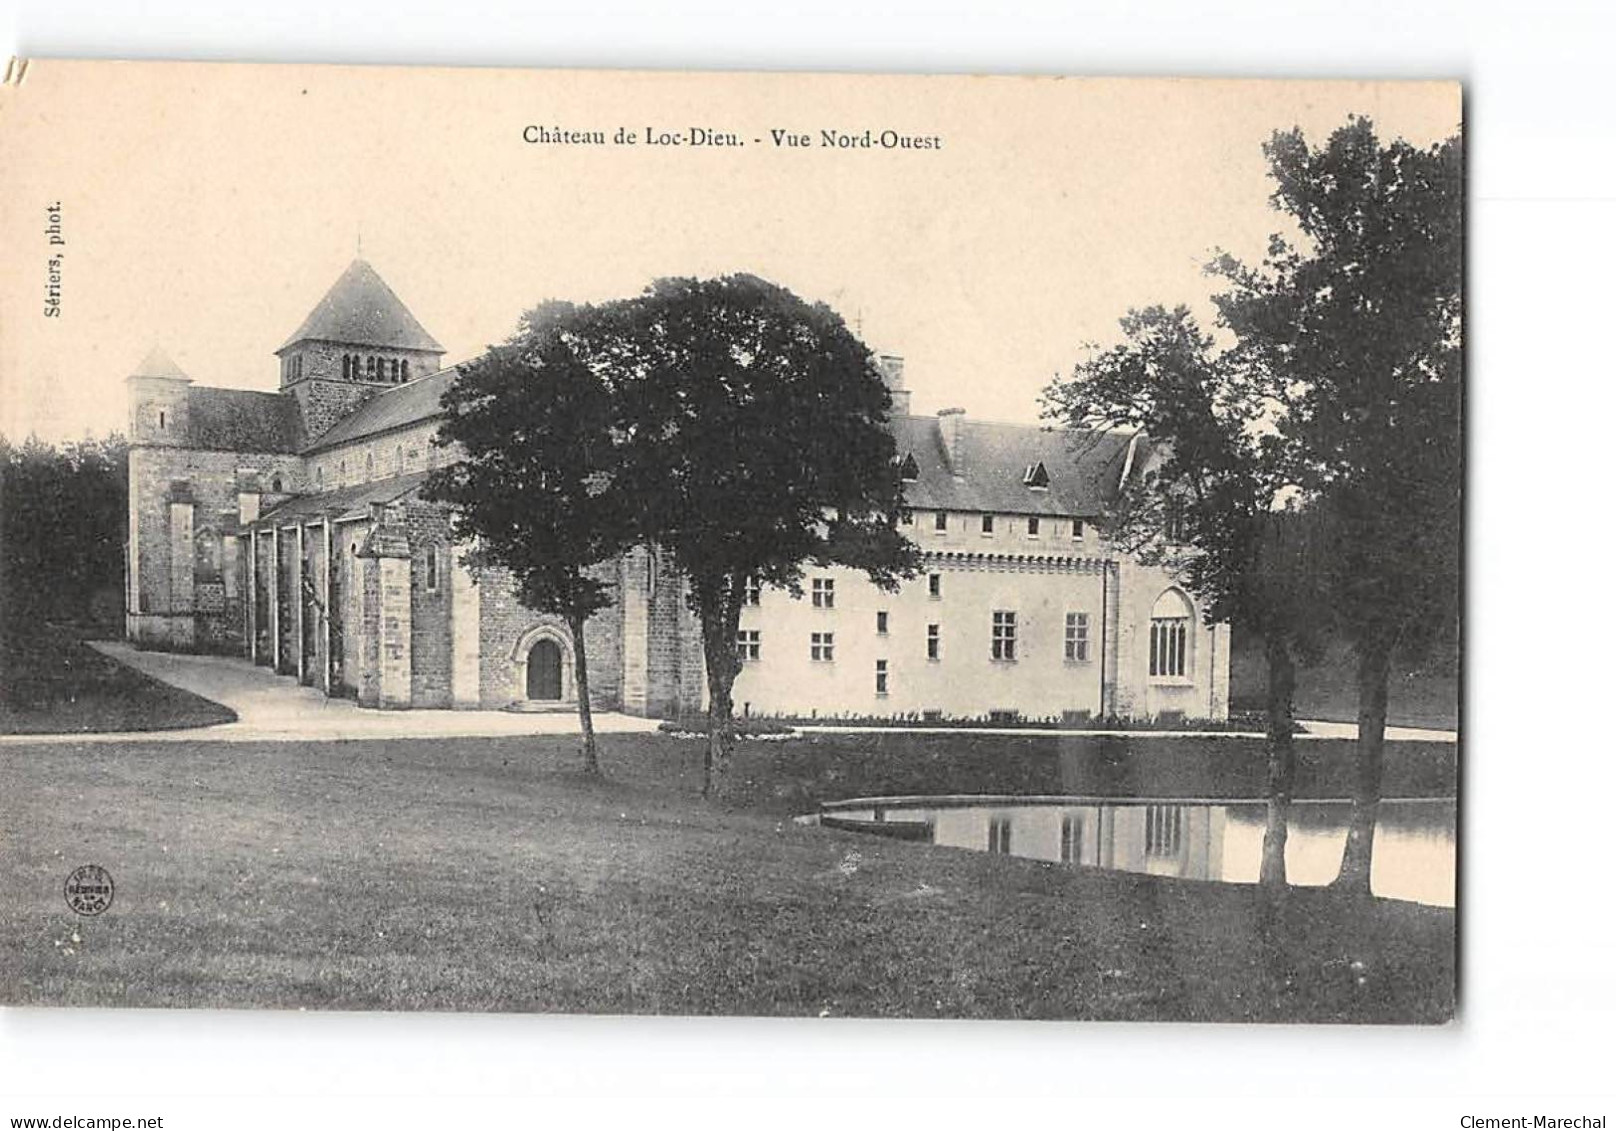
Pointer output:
x,y
52,683
486,875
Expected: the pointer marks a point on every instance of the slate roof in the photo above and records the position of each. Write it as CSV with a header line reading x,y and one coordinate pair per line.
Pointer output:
x,y
361,309
1085,468
242,420
157,363
343,502
401,405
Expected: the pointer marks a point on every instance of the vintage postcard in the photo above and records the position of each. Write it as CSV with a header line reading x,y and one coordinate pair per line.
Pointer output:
x,y
789,544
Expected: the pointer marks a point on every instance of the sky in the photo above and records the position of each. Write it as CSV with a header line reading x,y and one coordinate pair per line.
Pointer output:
x,y
207,207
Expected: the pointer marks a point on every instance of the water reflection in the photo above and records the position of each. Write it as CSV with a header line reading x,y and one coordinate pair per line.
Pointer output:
x,y
1414,857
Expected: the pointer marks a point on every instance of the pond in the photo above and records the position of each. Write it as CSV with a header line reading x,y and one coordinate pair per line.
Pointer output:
x,y
1186,838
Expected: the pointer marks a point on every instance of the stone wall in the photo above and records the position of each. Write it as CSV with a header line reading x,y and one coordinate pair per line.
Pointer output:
x,y
323,361
348,605
504,622
965,679
377,457
324,402
432,645
163,591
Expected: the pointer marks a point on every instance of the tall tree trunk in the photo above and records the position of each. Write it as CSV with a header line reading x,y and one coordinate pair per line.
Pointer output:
x,y
586,717
1374,671
720,610
1281,759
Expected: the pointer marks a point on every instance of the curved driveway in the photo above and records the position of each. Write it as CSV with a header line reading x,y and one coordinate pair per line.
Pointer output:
x,y
274,708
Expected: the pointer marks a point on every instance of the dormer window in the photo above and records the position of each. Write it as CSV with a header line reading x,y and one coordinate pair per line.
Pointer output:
x,y
1036,476
909,470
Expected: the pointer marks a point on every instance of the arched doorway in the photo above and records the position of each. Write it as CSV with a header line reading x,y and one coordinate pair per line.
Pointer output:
x,y
544,670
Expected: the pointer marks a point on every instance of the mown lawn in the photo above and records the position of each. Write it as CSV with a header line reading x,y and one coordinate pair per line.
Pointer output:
x,y
51,682
485,875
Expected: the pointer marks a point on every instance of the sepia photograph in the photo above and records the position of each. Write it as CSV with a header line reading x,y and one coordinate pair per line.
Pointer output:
x,y
743,544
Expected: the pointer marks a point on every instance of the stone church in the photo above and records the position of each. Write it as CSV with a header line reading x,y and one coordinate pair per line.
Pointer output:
x,y
287,527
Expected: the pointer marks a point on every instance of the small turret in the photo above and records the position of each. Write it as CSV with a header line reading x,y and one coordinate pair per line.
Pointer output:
x,y
159,402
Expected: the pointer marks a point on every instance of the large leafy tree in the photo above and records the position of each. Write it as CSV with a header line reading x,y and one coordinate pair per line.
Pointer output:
x,y
755,442
1359,319
63,513
538,488
1211,507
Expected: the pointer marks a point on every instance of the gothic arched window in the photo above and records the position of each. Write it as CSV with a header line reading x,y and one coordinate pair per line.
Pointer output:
x,y
1170,635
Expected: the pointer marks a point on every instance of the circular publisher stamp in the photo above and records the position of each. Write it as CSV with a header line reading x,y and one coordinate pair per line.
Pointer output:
x,y
88,890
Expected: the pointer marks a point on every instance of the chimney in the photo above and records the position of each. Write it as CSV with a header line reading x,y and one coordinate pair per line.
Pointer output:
x,y
891,367
951,422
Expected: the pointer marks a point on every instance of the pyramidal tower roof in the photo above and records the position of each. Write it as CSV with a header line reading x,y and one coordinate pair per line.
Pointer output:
x,y
361,309
158,364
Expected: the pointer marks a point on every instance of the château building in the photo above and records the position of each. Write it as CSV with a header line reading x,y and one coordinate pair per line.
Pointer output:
x,y
288,527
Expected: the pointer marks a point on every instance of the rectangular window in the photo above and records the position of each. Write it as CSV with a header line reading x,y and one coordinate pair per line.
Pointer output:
x,y
432,569
752,593
987,524
999,835
822,647
880,677
1004,635
1169,646
749,644
934,642
1077,636
824,590
881,623
1072,838
940,520
934,584
1164,830
1077,530
1032,526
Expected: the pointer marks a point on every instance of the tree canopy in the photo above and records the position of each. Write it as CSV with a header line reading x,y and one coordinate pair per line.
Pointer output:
x,y
64,510
755,443
537,490
1360,324
725,421
1209,507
